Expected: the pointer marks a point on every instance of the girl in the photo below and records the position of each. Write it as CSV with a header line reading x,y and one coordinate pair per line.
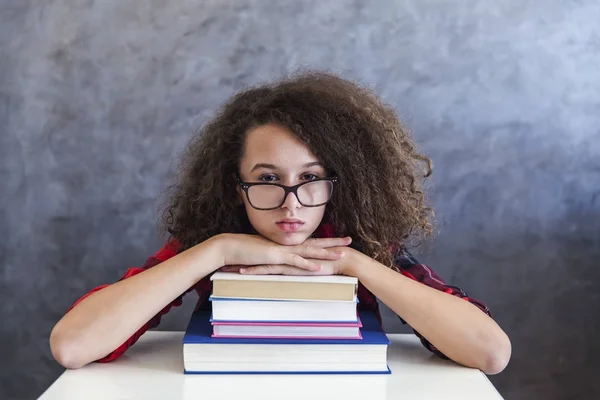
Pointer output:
x,y
309,175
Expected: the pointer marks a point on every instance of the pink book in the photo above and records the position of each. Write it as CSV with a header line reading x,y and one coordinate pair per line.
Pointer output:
x,y
291,330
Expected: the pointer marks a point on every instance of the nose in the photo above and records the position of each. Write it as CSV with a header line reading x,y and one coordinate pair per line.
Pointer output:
x,y
291,202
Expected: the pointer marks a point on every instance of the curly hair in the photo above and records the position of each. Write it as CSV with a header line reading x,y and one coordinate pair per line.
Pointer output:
x,y
379,200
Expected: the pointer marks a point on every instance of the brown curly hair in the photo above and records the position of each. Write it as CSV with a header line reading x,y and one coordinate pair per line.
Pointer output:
x,y
379,200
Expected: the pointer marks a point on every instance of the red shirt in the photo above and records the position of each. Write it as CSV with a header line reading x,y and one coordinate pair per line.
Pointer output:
x,y
405,263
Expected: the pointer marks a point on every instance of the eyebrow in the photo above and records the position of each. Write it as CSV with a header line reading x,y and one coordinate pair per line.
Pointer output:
x,y
271,166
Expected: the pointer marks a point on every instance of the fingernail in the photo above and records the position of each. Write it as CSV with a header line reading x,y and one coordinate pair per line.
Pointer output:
x,y
242,270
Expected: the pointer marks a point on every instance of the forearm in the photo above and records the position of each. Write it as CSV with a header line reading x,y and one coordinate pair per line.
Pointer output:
x,y
453,325
104,320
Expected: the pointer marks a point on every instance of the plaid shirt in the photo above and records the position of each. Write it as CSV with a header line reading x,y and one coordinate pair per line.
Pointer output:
x,y
404,263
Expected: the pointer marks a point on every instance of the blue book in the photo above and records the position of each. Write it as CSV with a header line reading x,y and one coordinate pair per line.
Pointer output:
x,y
204,354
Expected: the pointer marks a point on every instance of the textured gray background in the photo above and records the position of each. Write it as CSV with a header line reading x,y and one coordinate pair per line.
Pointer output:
x,y
98,98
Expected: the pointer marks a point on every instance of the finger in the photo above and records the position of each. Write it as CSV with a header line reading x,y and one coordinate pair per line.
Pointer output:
x,y
330,242
231,268
308,251
260,270
296,260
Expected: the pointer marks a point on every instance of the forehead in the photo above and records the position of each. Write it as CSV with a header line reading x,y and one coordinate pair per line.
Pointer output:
x,y
275,145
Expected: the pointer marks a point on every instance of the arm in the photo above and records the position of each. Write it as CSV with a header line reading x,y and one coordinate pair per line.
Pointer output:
x,y
117,314
455,327
448,322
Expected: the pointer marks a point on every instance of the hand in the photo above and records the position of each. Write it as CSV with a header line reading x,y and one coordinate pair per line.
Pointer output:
x,y
341,266
254,250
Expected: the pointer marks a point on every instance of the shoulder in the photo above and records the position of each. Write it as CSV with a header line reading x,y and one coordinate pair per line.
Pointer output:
x,y
403,258
325,230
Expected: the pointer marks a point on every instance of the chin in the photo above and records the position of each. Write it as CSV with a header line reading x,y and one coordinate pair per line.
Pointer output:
x,y
290,239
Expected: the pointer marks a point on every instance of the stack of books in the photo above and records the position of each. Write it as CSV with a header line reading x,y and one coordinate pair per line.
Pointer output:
x,y
284,324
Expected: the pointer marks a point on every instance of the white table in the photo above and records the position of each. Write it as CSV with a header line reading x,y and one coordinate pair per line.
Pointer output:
x,y
153,369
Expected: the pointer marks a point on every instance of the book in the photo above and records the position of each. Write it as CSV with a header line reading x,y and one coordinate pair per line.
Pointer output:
x,y
284,287
277,330
244,310
204,354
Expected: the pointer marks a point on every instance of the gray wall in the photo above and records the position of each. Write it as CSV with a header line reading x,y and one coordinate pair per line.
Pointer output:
x,y
98,98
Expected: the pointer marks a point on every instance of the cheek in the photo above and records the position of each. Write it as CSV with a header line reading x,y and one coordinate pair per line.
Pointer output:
x,y
250,212
257,218
316,215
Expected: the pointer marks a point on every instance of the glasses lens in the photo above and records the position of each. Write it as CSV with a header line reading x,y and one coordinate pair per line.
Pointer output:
x,y
315,193
265,196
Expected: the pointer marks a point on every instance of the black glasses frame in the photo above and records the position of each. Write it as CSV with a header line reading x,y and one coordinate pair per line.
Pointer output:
x,y
288,189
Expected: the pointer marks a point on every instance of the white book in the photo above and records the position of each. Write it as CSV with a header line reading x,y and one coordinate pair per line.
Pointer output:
x,y
240,310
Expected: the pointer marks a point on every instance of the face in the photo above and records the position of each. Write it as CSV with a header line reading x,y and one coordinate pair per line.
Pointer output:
x,y
273,154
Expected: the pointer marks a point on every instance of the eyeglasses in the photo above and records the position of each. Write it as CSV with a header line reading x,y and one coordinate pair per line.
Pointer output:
x,y
269,196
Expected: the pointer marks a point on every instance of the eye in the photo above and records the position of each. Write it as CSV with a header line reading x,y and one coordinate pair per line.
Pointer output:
x,y
267,178
310,177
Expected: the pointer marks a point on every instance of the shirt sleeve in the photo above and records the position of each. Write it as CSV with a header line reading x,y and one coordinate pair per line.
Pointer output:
x,y
408,266
167,251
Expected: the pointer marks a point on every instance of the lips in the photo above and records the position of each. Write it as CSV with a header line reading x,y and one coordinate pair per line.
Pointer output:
x,y
290,221
290,225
